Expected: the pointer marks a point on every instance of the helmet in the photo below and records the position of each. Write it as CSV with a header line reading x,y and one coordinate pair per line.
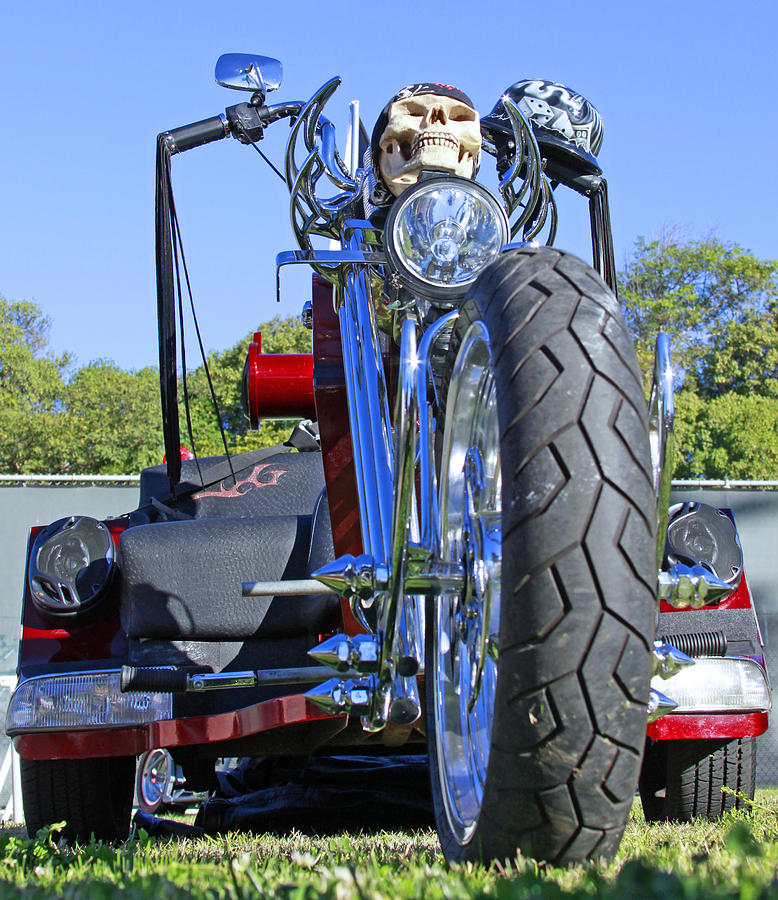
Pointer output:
x,y
567,127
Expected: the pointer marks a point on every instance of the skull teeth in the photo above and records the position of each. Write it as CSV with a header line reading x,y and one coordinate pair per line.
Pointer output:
x,y
435,140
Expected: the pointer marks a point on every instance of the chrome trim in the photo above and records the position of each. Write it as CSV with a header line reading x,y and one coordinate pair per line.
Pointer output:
x,y
322,260
694,586
430,531
659,705
312,214
661,415
304,586
669,660
534,187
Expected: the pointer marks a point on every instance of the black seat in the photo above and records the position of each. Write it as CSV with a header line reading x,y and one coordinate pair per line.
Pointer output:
x,y
182,579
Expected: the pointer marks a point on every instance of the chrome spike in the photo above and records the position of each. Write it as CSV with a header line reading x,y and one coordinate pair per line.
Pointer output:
x,y
693,586
351,697
343,652
669,660
659,705
353,576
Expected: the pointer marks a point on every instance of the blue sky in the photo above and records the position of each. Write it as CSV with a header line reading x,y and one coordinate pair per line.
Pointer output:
x,y
687,91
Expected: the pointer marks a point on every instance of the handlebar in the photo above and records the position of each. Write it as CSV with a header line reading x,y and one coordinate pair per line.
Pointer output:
x,y
244,121
198,133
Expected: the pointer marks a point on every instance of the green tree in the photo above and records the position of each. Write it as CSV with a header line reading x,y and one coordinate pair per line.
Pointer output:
x,y
719,305
279,335
692,290
31,390
113,420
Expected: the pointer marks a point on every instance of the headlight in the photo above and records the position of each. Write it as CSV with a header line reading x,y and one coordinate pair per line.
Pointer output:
x,y
722,684
71,564
82,700
441,234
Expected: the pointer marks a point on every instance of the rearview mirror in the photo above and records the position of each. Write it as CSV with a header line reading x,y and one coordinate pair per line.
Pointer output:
x,y
247,72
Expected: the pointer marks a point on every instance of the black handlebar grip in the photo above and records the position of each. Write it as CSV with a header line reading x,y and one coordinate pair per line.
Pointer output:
x,y
162,680
195,135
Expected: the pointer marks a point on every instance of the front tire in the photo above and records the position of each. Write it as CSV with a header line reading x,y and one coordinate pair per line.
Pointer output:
x,y
92,796
538,677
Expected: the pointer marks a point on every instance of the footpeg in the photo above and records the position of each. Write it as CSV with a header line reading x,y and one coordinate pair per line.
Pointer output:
x,y
351,697
693,586
659,705
669,660
343,652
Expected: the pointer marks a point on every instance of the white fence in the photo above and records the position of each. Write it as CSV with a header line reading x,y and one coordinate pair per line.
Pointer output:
x,y
10,773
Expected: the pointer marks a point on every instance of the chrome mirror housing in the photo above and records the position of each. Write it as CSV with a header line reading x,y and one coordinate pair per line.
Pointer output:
x,y
249,72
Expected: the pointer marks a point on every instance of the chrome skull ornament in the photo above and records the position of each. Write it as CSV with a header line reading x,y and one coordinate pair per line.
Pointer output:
x,y
426,126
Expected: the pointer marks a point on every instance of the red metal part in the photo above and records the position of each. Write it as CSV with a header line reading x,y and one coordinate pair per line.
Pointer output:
x,y
190,731
100,637
329,388
279,385
690,727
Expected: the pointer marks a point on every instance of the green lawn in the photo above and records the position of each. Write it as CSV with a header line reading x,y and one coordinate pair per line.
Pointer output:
x,y
737,857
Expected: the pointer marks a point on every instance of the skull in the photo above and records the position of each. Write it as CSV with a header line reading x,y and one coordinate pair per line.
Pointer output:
x,y
428,131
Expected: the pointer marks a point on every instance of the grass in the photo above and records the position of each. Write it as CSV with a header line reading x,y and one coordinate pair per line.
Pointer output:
x,y
736,857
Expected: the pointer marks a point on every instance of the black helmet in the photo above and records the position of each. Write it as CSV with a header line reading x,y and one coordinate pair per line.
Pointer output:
x,y
567,127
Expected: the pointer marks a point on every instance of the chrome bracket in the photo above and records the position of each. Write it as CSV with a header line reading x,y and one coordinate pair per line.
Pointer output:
x,y
694,586
661,415
343,652
668,660
659,705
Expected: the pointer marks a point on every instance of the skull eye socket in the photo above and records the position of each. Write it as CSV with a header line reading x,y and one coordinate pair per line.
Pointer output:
x,y
462,114
415,109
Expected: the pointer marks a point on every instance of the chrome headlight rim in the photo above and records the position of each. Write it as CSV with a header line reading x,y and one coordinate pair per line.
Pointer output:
x,y
442,292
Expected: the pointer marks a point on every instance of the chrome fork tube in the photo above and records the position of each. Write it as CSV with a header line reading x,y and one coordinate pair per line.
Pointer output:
x,y
368,411
371,438
430,531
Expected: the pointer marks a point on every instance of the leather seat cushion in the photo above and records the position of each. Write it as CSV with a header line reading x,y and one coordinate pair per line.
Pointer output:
x,y
182,579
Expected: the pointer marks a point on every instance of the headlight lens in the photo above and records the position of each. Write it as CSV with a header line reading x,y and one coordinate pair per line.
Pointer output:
x,y
82,700
441,233
718,685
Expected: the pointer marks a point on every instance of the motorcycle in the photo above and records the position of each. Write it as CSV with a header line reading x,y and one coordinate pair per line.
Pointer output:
x,y
465,543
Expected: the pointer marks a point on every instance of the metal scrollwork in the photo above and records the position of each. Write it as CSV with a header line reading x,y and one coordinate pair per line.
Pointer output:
x,y
312,213
524,187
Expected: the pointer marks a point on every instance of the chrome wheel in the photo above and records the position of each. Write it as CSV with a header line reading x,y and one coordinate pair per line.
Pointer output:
x,y
465,638
154,777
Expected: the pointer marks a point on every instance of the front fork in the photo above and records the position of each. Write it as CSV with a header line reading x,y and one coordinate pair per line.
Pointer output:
x,y
401,562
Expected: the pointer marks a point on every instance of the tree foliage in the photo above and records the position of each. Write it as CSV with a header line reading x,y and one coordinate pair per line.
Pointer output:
x,y
717,301
719,305
100,419
32,386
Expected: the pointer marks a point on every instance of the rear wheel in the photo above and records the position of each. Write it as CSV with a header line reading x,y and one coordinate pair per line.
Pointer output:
x,y
538,675
683,780
92,796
